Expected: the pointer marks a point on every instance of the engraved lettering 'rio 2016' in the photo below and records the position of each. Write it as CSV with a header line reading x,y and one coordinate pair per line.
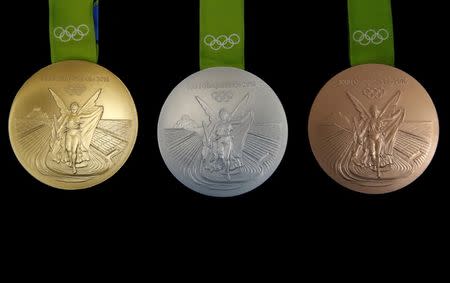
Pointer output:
x,y
225,84
74,78
400,81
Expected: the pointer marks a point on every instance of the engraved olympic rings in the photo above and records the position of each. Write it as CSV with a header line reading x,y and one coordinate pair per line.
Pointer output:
x,y
222,41
373,92
222,95
71,32
370,36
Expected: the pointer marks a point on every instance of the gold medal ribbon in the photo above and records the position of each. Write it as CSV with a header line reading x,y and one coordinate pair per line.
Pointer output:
x,y
73,30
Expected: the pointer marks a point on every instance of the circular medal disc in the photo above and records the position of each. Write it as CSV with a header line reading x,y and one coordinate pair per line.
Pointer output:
x,y
73,124
373,128
222,132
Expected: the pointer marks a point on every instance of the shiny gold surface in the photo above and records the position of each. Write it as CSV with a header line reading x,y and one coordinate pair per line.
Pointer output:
x,y
373,128
73,124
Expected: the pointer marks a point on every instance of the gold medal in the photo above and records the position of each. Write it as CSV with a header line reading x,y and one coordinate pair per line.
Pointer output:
x,y
373,128
73,125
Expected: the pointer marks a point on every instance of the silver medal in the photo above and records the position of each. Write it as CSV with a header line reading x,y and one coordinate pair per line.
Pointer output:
x,y
222,132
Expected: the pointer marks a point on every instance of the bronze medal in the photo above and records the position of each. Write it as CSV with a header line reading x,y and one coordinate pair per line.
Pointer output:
x,y
373,128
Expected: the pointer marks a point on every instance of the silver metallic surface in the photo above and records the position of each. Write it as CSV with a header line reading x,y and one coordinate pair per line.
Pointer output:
x,y
222,132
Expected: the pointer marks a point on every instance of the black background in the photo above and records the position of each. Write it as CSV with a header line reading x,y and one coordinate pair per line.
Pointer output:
x,y
295,49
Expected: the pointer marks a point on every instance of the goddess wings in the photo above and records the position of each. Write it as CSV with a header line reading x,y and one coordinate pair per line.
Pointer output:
x,y
224,136
73,130
374,133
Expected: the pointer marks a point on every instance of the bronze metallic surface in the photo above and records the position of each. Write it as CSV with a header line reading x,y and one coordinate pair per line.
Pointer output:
x,y
73,124
373,128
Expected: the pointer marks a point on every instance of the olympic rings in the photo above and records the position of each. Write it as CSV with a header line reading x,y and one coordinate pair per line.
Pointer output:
x,y
71,32
222,41
222,95
373,93
370,36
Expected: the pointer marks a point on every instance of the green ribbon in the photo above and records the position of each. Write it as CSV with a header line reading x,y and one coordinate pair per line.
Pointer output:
x,y
72,30
370,31
221,33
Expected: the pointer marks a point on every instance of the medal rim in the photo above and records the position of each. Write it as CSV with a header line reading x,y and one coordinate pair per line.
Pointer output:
x,y
105,176
401,184
205,190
